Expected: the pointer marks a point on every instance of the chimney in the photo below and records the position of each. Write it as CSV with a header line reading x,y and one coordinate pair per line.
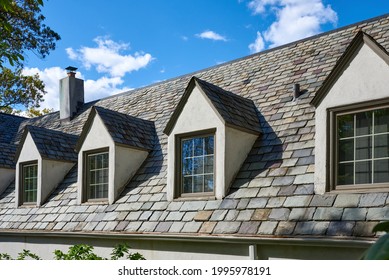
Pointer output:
x,y
71,94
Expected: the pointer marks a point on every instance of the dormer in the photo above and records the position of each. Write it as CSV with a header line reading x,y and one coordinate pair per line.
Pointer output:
x,y
210,135
352,121
111,148
43,158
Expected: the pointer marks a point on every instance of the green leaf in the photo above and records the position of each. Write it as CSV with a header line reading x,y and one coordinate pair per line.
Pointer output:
x,y
379,250
381,227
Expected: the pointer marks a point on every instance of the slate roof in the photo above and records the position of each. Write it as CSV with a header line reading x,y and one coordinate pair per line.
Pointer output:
x,y
273,193
236,111
124,129
9,126
7,155
52,144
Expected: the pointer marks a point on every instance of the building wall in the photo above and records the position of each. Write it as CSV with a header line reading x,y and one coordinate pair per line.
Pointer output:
x,y
173,249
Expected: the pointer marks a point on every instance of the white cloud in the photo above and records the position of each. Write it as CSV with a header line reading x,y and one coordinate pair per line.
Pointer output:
x,y
258,44
211,35
51,77
259,6
93,89
107,57
295,19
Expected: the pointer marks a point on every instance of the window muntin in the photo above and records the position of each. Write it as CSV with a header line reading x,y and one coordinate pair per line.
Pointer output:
x,y
97,175
29,182
362,148
197,165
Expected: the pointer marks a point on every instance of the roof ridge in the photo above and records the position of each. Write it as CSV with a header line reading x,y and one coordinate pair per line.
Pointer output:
x,y
11,115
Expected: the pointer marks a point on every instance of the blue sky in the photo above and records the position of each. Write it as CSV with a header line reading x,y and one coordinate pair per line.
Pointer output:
x,y
125,44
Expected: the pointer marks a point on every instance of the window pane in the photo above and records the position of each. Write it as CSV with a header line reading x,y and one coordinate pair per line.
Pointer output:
x,y
198,146
346,150
345,174
187,185
187,148
381,120
92,162
105,160
198,183
208,165
197,159
381,171
363,148
381,146
346,126
209,145
187,166
97,181
364,123
30,182
363,172
208,183
198,165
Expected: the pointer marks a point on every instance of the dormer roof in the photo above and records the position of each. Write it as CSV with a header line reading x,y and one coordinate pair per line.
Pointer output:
x,y
233,110
51,144
124,129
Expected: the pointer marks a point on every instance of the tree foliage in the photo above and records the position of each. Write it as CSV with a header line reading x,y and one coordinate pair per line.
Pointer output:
x,y
22,31
380,249
81,252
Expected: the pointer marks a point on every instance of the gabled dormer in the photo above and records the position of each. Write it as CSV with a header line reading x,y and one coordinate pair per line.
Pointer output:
x,y
43,158
210,134
352,121
111,148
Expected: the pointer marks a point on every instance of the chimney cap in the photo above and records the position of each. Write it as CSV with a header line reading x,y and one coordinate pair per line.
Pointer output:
x,y
71,68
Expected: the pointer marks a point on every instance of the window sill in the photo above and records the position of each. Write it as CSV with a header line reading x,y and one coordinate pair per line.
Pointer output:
x,y
195,198
29,205
95,202
361,189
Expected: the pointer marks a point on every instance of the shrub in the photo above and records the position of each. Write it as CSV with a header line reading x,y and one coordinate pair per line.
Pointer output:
x,y
81,252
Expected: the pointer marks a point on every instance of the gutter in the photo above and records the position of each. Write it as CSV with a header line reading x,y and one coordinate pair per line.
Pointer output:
x,y
249,240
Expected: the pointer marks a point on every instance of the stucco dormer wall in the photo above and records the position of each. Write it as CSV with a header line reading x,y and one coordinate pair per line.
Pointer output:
x,y
231,145
363,81
124,161
50,172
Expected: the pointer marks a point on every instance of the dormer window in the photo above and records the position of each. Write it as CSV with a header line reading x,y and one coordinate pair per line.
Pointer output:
x,y
209,136
44,157
197,165
97,167
352,115
362,145
29,182
111,148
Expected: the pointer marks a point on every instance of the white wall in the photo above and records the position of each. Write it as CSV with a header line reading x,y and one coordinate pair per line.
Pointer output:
x,y
365,79
53,173
127,162
7,175
176,249
238,145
